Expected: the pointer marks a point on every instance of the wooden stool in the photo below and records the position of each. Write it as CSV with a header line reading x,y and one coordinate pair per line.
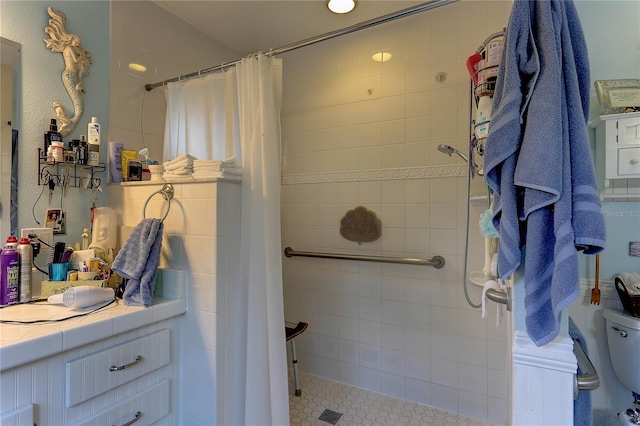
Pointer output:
x,y
293,332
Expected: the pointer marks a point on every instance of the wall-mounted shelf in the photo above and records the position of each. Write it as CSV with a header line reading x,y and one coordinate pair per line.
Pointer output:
x,y
618,140
67,174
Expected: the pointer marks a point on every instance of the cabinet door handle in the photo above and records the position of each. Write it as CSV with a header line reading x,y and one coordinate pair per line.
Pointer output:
x,y
135,419
131,364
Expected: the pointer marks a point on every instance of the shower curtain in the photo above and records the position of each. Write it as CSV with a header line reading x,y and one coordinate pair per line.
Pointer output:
x,y
252,93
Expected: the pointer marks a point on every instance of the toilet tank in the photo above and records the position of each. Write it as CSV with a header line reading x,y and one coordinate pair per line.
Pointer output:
x,y
623,337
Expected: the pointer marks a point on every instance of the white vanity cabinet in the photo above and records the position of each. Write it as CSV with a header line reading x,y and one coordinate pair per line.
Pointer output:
x,y
619,134
124,379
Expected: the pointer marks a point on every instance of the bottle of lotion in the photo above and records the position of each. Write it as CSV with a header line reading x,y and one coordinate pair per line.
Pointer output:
x,y
93,134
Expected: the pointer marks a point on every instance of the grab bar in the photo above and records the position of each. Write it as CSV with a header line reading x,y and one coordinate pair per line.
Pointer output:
x,y
589,379
502,297
167,194
436,261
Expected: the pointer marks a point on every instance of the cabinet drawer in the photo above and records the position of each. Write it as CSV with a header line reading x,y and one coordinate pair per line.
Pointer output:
x,y
629,161
94,374
144,408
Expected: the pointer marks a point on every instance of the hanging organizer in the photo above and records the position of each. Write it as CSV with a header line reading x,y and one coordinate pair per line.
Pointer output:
x,y
67,173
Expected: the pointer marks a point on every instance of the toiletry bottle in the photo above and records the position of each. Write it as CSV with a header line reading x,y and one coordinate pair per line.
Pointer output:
x,y
52,135
12,241
9,276
82,151
25,255
93,134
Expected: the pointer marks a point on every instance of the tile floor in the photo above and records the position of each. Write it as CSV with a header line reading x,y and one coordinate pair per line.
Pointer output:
x,y
361,407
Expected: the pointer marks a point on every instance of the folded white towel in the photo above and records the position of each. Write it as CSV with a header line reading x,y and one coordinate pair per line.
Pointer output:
x,y
185,164
231,162
493,284
177,160
184,171
631,281
221,174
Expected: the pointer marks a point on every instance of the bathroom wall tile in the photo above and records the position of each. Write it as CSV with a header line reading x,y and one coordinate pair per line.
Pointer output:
x,y
194,323
473,351
369,378
327,324
443,215
472,404
444,100
417,367
393,108
370,309
349,328
328,368
417,241
392,288
472,378
497,355
417,316
349,351
327,347
444,372
444,126
199,366
444,397
392,215
349,373
444,320
417,390
419,129
392,361
497,383
497,410
393,132
417,341
418,104
392,336
416,154
369,332
370,356
392,156
417,78
392,384
444,346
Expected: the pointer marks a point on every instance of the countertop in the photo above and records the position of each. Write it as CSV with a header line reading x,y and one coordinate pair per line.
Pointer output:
x,y
23,343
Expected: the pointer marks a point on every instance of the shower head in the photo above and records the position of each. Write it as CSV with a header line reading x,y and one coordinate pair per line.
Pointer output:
x,y
449,150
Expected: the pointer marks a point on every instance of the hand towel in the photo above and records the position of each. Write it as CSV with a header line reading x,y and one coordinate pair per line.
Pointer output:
x,y
631,281
491,284
137,261
582,404
180,159
538,160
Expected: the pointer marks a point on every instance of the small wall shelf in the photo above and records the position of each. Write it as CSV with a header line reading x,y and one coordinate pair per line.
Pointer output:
x,y
63,173
618,141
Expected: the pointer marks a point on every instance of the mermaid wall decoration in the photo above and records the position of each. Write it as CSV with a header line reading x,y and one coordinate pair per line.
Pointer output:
x,y
76,67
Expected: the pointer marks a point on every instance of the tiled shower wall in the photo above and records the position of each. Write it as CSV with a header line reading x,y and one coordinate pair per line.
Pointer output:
x,y
359,132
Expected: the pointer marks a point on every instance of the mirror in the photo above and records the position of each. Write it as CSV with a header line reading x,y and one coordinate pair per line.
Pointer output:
x,y
9,125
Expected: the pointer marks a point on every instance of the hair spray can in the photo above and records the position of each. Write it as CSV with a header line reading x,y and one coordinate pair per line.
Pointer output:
x,y
9,276
25,254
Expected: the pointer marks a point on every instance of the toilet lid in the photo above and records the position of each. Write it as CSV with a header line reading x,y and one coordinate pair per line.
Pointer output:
x,y
622,318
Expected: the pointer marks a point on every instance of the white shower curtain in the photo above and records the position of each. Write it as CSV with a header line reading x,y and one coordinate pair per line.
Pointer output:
x,y
238,114
202,118
259,94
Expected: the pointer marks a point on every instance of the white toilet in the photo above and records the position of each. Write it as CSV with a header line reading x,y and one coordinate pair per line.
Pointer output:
x,y
623,337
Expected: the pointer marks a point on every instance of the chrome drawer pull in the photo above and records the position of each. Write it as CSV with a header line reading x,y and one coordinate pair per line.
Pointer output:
x,y
131,364
135,419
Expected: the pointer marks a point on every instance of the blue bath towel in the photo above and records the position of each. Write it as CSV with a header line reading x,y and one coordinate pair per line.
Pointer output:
x,y
538,160
138,260
582,404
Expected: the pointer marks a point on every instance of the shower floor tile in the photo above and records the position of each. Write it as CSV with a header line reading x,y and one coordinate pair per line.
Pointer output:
x,y
361,407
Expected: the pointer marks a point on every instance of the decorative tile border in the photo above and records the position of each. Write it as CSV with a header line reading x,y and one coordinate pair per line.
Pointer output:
x,y
424,172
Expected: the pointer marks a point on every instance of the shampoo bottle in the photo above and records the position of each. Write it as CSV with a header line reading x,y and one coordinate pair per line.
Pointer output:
x,y
52,135
93,133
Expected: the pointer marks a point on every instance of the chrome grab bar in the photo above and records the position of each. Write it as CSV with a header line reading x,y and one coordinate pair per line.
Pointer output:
x,y
436,261
503,297
589,379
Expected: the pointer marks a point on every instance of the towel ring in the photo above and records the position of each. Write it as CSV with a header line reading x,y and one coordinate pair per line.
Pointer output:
x,y
167,194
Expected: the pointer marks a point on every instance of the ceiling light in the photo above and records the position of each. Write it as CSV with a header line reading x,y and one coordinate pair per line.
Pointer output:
x,y
341,6
137,67
381,56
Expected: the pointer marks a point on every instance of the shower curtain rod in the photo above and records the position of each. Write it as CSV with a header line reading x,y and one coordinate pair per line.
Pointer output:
x,y
307,42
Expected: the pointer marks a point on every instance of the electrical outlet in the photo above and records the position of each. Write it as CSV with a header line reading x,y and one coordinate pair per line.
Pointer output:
x,y
42,235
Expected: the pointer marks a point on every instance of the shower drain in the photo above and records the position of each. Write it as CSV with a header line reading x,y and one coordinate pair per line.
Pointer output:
x,y
330,416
